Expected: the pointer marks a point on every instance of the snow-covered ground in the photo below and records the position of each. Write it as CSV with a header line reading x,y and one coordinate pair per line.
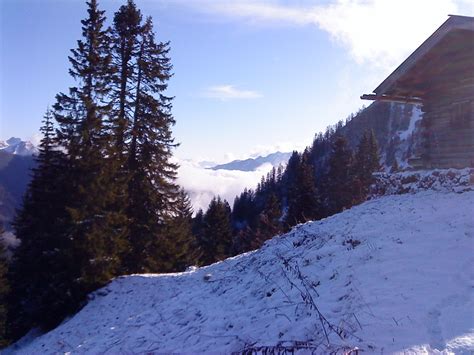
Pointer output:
x,y
393,275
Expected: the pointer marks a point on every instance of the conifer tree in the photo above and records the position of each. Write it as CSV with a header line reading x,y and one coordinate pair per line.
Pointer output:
x,y
178,247
243,240
340,180
97,223
126,29
4,290
291,172
40,273
143,126
216,239
366,162
269,224
243,210
303,199
198,222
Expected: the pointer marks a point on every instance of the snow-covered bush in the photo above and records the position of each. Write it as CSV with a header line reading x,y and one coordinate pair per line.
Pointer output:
x,y
449,180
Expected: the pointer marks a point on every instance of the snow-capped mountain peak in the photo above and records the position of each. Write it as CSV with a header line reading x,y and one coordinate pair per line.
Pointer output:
x,y
252,164
17,146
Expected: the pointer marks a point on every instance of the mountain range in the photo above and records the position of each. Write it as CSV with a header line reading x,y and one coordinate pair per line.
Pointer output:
x,y
16,161
17,146
252,164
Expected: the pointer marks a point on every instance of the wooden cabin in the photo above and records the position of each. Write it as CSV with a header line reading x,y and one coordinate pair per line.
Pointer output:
x,y
440,76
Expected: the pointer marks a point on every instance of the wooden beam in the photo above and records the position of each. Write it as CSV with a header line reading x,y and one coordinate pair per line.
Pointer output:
x,y
405,100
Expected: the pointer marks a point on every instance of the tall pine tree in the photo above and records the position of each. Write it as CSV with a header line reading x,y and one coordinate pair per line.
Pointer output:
x,y
366,162
339,179
269,222
4,290
216,240
40,273
143,130
97,223
178,247
303,198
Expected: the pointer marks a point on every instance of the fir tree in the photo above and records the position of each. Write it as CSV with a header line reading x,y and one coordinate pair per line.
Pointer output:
x,y
178,248
126,29
340,180
143,125
216,239
366,162
269,223
40,273
4,290
243,210
97,223
303,200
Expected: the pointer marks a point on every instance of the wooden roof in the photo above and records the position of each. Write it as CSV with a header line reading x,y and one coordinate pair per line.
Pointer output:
x,y
452,42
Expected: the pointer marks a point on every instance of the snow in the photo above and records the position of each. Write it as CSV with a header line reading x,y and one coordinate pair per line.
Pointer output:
x,y
416,115
18,147
393,275
403,144
447,180
10,242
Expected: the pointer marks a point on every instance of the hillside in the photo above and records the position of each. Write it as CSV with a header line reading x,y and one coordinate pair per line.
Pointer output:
x,y
396,127
393,124
391,275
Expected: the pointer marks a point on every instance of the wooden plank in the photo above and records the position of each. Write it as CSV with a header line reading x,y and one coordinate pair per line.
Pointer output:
x,y
387,98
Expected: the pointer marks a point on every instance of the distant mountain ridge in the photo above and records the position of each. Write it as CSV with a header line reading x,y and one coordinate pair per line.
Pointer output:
x,y
17,158
17,146
252,164
15,174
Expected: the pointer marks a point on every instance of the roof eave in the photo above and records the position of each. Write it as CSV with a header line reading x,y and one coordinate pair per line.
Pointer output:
x,y
453,22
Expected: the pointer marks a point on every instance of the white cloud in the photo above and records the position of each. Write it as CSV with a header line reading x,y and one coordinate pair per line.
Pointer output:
x,y
35,139
284,147
229,92
203,184
377,32
383,32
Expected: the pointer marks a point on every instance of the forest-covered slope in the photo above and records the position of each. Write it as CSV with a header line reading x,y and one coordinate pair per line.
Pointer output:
x,y
14,177
396,127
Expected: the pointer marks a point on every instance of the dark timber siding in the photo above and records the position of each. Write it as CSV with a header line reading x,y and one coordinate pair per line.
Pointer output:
x,y
449,132
448,103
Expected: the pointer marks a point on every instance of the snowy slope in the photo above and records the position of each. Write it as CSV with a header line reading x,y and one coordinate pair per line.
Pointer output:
x,y
394,274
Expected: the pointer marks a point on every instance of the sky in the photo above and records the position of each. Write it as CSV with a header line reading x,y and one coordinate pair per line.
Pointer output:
x,y
250,77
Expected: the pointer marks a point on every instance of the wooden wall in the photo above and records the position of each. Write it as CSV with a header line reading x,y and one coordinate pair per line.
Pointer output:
x,y
448,141
449,136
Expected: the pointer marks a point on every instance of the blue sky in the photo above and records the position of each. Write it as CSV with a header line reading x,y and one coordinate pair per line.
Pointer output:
x,y
250,76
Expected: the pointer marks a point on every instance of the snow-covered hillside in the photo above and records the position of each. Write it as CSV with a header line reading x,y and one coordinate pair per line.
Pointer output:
x,y
394,274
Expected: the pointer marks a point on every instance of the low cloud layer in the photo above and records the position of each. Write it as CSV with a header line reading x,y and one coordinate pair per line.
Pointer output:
x,y
203,184
229,92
